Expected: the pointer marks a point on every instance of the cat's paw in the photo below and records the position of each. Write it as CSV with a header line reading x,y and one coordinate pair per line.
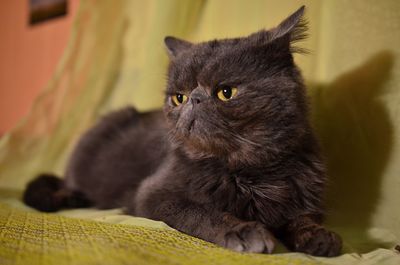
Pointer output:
x,y
318,241
249,237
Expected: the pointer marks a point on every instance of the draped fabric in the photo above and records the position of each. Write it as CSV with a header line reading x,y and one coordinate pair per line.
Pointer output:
x,y
116,57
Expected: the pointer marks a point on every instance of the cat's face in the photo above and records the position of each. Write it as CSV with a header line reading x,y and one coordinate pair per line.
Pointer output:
x,y
236,99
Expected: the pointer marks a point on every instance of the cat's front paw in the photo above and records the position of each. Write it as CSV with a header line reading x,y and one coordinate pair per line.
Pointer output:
x,y
249,237
318,241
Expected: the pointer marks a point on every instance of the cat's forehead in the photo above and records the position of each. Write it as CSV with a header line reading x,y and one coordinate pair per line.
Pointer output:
x,y
214,62
208,52
231,62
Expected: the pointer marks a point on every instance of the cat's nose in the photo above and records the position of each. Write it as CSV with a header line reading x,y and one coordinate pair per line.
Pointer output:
x,y
198,95
195,100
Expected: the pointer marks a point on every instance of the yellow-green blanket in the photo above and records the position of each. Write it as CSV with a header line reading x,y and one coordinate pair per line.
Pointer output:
x,y
116,57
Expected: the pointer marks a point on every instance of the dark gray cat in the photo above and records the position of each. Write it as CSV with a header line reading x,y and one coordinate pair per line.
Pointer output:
x,y
232,160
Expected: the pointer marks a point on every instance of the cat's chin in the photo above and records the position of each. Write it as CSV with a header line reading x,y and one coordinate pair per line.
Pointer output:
x,y
197,154
195,147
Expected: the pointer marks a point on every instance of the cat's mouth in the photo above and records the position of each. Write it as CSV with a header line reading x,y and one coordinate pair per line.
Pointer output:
x,y
186,129
191,126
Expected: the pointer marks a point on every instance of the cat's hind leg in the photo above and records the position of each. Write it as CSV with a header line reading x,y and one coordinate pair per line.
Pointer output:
x,y
47,193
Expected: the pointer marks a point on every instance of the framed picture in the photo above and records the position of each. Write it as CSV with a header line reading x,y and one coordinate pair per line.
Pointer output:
x,y
43,10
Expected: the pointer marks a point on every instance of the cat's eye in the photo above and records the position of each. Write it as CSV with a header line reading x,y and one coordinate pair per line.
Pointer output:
x,y
179,99
226,93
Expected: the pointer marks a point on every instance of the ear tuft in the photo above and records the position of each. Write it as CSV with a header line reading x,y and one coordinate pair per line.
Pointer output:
x,y
175,46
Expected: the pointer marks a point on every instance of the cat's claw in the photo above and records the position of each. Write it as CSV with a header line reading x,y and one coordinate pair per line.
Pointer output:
x,y
249,237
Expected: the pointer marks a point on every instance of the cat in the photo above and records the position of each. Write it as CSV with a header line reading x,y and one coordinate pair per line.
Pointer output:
x,y
231,159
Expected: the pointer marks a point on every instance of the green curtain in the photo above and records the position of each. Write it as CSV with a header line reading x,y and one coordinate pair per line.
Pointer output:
x,y
116,57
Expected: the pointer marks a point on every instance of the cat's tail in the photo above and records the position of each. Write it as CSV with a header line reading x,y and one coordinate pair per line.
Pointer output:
x,y
47,193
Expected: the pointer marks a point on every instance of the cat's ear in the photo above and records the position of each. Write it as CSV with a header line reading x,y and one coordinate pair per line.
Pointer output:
x,y
294,25
175,46
289,31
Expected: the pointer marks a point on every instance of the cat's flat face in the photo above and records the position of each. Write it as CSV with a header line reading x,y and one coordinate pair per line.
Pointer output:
x,y
235,98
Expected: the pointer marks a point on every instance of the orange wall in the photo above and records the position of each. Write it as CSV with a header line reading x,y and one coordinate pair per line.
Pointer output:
x,y
28,57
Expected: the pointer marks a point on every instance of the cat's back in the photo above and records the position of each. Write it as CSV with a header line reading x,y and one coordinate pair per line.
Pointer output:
x,y
114,156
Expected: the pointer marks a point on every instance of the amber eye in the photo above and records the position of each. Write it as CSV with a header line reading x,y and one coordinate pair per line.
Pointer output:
x,y
179,99
226,93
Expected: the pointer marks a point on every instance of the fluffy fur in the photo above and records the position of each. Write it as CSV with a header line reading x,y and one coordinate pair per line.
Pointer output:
x,y
238,173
